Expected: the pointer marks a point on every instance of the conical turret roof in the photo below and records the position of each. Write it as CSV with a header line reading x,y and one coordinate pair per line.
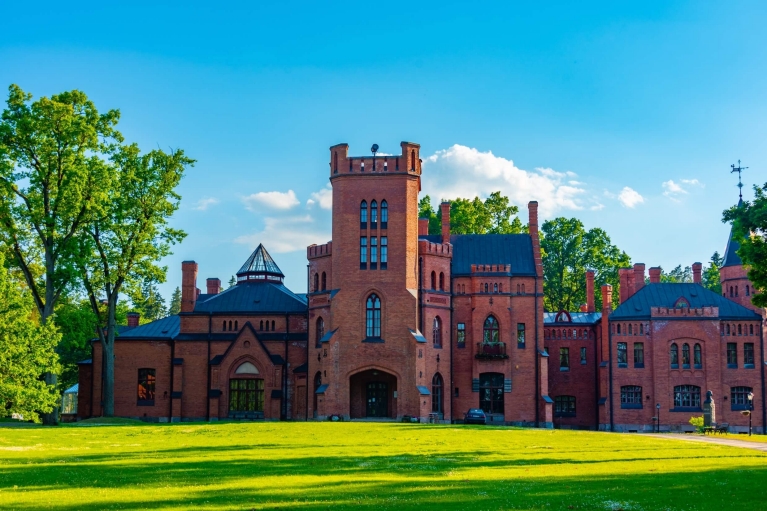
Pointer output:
x,y
731,257
260,266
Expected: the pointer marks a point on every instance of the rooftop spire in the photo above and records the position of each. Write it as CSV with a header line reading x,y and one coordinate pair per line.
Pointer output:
x,y
738,169
260,266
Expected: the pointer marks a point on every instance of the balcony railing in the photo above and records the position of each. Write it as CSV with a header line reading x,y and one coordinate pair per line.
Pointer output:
x,y
490,351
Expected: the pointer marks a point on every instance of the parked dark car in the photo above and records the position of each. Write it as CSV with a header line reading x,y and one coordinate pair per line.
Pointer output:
x,y
475,416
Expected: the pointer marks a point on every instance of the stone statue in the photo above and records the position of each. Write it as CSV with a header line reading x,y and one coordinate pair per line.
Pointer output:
x,y
709,410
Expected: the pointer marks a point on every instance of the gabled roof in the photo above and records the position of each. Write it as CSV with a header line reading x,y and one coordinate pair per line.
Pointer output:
x,y
667,294
578,318
260,297
468,249
731,257
260,263
165,328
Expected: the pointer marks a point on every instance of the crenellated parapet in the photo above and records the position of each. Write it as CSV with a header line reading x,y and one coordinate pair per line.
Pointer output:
x,y
684,312
435,249
491,269
317,251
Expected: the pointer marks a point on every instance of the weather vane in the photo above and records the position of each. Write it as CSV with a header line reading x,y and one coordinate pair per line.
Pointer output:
x,y
738,169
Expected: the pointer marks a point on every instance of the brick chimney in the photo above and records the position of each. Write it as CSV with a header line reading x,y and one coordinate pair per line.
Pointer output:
x,y
133,319
696,270
590,291
623,284
638,276
214,286
445,209
607,307
188,285
423,226
532,221
655,275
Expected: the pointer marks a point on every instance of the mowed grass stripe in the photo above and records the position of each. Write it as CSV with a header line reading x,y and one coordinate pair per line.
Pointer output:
x,y
367,465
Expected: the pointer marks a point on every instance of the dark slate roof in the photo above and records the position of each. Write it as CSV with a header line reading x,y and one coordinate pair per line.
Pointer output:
x,y
260,262
165,328
667,294
731,257
578,318
468,249
253,296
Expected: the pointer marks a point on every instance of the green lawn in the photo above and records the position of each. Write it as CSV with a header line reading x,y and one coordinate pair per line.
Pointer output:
x,y
367,465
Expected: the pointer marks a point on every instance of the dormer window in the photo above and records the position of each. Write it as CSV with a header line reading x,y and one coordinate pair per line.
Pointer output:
x,y
682,303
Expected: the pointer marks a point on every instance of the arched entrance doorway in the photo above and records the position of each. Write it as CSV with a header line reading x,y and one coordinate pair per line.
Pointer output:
x,y
372,395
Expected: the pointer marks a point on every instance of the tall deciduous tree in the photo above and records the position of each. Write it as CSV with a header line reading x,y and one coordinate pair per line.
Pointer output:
x,y
710,275
26,352
51,174
749,222
494,215
568,251
123,244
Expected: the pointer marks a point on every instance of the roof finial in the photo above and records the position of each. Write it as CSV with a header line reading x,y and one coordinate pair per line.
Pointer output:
x,y
738,169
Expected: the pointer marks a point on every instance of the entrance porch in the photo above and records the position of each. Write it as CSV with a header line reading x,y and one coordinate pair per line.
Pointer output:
x,y
372,395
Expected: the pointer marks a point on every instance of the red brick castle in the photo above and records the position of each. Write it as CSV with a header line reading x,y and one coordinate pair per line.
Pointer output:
x,y
397,323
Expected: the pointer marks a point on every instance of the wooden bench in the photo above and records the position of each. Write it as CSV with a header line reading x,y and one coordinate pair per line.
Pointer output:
x,y
722,428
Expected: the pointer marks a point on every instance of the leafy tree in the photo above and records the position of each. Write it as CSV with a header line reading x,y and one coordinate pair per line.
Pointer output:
x,y
147,301
175,302
26,352
710,275
749,222
425,210
51,179
568,250
678,275
122,245
232,283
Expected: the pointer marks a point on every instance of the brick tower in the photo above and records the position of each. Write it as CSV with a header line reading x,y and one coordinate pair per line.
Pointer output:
x,y
363,290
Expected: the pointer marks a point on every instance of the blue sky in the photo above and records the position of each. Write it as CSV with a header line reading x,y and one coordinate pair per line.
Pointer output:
x,y
625,115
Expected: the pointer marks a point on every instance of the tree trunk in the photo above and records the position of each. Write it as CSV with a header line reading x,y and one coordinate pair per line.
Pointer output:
x,y
51,418
109,378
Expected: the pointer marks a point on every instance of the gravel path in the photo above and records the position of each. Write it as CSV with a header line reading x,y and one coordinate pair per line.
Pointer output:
x,y
757,446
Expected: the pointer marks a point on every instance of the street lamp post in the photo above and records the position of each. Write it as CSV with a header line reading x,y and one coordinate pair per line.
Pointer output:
x,y
751,410
657,407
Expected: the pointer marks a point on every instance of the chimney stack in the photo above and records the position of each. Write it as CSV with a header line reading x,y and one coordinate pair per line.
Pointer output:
x,y
655,275
623,284
638,276
590,291
445,209
423,226
214,286
607,307
188,285
133,319
696,270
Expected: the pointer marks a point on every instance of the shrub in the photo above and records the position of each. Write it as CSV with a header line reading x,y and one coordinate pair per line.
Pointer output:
x,y
698,423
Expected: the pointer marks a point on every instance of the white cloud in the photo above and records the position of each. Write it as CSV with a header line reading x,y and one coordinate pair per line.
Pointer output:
x,y
630,197
461,171
271,200
205,203
324,198
674,190
286,234
597,207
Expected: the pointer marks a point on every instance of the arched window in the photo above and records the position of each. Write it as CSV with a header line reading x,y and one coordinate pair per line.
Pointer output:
x,y
261,327
733,330
685,355
433,280
495,288
235,327
674,355
641,328
230,325
320,333
364,214
518,289
316,282
490,331
750,329
740,330
523,289
441,281
267,325
224,327
619,328
384,213
324,281
437,332
436,394
412,158
731,292
486,289
697,356
629,328
335,162
373,213
373,316
748,290
736,290
728,329
687,396
272,325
